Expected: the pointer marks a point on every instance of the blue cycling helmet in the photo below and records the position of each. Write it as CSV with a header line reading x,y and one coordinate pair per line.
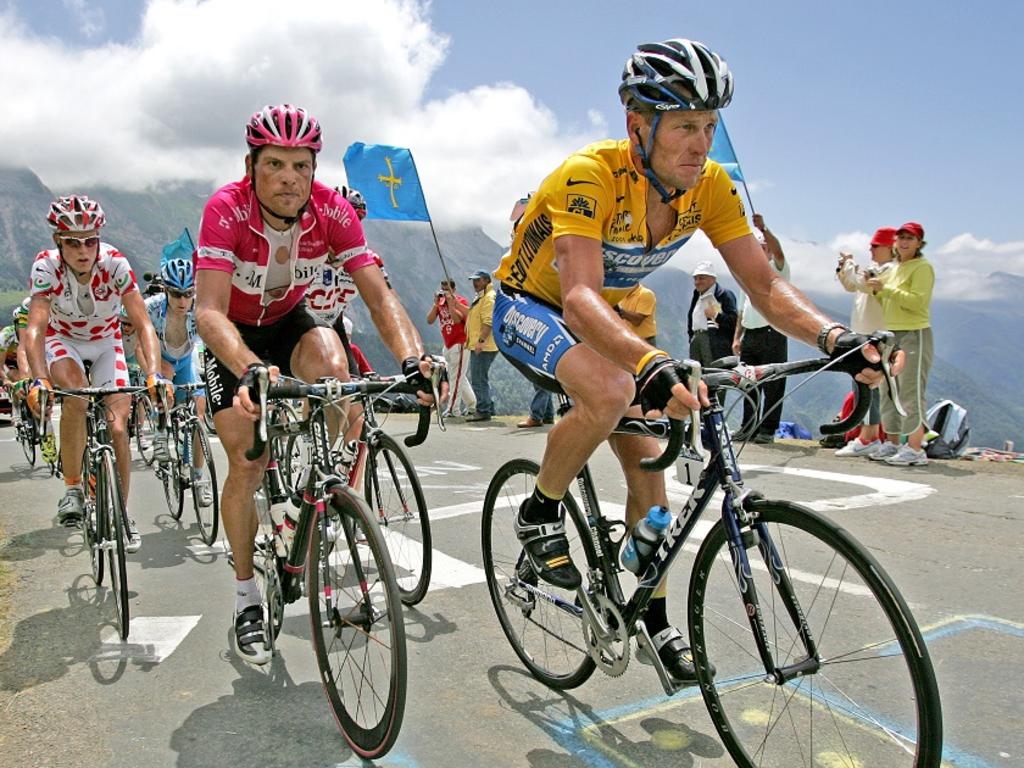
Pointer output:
x,y
177,274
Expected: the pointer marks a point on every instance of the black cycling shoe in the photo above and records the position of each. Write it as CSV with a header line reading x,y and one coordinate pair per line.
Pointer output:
x,y
675,655
547,548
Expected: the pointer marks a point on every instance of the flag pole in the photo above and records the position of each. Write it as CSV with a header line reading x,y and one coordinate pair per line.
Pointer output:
x,y
743,180
437,245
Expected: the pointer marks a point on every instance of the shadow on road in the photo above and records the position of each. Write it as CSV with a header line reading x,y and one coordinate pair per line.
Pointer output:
x,y
652,740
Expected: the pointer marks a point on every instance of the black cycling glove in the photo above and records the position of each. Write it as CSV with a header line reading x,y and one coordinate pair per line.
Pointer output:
x,y
251,378
654,383
413,374
854,362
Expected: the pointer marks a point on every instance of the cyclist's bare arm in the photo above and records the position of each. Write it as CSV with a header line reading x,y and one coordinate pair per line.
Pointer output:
x,y
148,344
389,316
35,333
592,319
783,305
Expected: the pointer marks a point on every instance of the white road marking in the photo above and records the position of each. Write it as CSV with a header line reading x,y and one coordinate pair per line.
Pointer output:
x,y
150,639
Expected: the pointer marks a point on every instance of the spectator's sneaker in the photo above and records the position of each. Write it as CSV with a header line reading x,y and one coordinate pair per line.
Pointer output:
x,y
161,450
856,448
204,494
48,448
675,654
69,509
908,457
883,452
134,543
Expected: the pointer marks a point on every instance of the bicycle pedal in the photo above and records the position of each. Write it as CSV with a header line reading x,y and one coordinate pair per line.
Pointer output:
x,y
649,654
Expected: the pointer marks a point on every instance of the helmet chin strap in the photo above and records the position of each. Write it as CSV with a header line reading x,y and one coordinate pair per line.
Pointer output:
x,y
645,161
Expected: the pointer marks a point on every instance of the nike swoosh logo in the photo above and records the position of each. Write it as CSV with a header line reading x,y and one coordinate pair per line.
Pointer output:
x,y
573,182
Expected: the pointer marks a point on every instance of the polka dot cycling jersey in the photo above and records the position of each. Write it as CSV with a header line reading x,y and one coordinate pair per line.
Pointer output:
x,y
86,312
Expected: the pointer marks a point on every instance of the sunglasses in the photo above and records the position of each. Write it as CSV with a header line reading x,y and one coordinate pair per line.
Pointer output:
x,y
181,294
81,242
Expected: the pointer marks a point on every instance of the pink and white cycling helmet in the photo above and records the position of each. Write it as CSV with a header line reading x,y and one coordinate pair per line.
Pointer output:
x,y
75,213
283,126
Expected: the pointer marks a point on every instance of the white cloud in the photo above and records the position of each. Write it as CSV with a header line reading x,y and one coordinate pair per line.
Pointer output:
x,y
172,104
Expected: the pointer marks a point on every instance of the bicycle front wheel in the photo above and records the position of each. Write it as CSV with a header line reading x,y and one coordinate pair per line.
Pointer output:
x,y
355,612
542,622
94,528
108,494
868,695
207,517
27,437
393,491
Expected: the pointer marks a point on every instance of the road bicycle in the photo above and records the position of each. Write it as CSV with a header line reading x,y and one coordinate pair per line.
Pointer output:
x,y
31,435
390,486
105,525
805,651
142,424
188,443
338,547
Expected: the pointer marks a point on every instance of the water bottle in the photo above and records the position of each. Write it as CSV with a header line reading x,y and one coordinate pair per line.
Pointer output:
x,y
645,538
281,513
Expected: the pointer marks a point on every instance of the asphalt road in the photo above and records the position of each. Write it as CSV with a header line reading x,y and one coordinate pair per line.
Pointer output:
x,y
71,695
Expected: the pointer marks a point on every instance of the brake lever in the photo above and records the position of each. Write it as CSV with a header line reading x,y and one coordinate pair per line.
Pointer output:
x,y
693,384
263,381
885,342
437,375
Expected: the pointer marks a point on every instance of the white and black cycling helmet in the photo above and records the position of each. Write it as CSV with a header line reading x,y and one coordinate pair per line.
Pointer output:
x,y
675,74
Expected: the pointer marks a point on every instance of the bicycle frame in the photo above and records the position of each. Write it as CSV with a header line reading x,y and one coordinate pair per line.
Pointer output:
x,y
722,471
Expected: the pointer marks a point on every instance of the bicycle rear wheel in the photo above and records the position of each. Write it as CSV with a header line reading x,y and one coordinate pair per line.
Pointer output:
x,y
355,613
393,491
94,528
145,427
872,698
108,495
542,622
208,518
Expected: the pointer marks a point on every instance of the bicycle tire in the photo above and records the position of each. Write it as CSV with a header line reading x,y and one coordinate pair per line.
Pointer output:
x,y
93,525
358,629
27,437
169,473
145,428
390,489
267,570
858,707
534,614
108,493
291,461
207,518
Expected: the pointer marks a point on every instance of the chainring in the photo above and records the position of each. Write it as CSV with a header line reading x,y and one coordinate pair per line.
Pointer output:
x,y
611,653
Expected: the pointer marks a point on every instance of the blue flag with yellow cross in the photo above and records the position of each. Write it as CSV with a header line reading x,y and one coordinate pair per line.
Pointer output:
x,y
386,177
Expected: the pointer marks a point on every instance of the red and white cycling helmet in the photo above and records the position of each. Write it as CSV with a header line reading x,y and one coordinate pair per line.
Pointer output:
x,y
283,126
75,213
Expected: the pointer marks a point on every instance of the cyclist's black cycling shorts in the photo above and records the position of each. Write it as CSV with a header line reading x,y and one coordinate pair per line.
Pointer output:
x,y
272,343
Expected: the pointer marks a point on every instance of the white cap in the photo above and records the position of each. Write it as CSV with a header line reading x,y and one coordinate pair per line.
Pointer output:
x,y
705,268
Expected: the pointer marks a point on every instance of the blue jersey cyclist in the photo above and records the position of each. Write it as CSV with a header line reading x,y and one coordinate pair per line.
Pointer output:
x,y
597,225
172,314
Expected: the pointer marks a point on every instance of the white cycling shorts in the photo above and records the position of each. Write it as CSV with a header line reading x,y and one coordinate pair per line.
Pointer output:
x,y
106,357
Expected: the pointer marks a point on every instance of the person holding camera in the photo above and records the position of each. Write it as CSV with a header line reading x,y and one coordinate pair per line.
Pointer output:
x,y
452,310
866,318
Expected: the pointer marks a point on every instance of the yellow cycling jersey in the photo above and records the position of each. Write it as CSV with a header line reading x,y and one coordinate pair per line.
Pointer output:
x,y
597,193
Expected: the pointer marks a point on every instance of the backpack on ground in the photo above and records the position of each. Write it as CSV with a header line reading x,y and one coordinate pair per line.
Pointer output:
x,y
949,421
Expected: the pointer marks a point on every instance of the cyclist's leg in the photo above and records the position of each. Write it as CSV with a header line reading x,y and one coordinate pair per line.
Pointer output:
x,y
319,352
355,411
67,371
532,336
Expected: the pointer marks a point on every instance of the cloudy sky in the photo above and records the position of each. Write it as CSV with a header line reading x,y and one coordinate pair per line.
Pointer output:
x,y
846,116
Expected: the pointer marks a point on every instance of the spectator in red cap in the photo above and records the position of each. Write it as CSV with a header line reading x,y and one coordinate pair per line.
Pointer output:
x,y
905,294
867,317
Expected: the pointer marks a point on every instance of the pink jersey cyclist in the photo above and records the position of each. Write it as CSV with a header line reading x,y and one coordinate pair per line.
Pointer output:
x,y
232,239
85,319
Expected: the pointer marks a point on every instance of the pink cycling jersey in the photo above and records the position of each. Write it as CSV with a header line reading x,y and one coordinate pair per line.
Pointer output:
x,y
231,239
84,312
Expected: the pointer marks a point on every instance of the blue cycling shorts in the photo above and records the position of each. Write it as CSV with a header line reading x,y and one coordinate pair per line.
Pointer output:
x,y
532,335
184,373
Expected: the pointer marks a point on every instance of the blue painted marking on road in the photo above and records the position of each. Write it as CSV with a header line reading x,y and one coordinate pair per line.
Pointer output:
x,y
567,732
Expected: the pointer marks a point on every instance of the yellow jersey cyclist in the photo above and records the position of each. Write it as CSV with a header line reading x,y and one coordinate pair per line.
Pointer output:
x,y
78,289
598,224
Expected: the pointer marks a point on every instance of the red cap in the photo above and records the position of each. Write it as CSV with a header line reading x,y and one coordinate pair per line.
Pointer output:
x,y
884,236
913,228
